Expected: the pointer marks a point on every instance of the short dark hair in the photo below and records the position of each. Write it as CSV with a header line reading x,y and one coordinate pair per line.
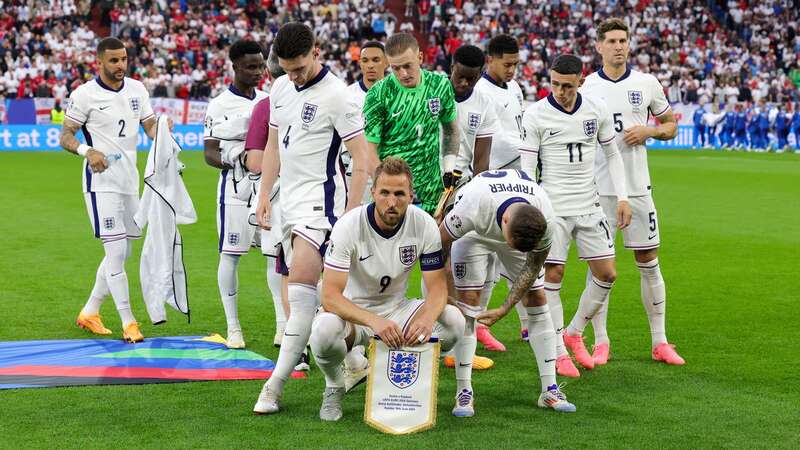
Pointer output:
x,y
469,56
109,43
244,47
293,39
400,42
392,165
526,227
567,64
373,44
611,24
502,44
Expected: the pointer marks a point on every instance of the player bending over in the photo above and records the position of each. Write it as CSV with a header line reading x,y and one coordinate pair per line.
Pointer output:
x,y
370,256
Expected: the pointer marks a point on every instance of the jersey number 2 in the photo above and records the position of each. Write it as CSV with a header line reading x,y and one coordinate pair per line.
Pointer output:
x,y
121,128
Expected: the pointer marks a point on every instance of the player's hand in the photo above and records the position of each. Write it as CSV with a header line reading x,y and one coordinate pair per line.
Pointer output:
x,y
96,160
419,331
636,135
492,316
623,214
263,213
388,331
450,179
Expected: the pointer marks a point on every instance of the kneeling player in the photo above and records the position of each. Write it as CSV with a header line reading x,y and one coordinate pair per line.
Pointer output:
x,y
370,255
508,214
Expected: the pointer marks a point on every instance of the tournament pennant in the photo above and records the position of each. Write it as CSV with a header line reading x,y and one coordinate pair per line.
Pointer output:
x,y
402,387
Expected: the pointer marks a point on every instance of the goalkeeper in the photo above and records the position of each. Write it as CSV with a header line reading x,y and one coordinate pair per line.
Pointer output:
x,y
403,114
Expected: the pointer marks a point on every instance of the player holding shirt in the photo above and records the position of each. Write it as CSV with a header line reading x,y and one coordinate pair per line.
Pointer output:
x,y
310,117
224,133
503,212
499,85
109,109
563,132
632,97
369,259
404,113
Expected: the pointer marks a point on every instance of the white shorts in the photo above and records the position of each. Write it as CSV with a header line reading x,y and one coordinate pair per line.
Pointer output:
x,y
401,316
315,230
642,233
472,260
111,215
592,233
234,229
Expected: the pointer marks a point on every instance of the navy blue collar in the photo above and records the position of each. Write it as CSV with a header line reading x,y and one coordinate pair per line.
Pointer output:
x,y
374,224
239,93
504,206
465,97
314,80
362,85
603,75
492,80
107,87
555,104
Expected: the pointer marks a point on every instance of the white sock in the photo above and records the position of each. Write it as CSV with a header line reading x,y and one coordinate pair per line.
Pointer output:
x,y
99,291
228,283
542,337
592,299
329,348
303,303
355,358
552,291
274,284
654,299
522,313
117,279
600,320
464,353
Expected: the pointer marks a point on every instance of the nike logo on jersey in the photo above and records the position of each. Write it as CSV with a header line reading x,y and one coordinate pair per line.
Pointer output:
x,y
362,258
104,107
506,105
610,245
293,335
278,106
395,114
553,133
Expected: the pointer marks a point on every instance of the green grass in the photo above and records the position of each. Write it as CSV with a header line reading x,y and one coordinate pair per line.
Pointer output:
x,y
731,233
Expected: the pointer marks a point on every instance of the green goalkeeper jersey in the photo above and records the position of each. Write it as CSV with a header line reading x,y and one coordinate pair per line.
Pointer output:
x,y
405,122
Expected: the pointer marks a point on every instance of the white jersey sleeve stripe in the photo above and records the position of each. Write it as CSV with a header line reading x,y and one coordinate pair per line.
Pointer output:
x,y
607,140
449,231
148,117
353,134
76,120
336,268
662,112
529,150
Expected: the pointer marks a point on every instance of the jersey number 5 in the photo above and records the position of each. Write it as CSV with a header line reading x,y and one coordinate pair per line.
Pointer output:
x,y
618,122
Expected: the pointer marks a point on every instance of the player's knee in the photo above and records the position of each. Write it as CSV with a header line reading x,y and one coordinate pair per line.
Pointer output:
x,y
645,256
115,255
470,297
554,273
325,329
608,275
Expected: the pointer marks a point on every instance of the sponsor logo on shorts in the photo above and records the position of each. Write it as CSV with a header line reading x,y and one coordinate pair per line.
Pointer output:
x,y
403,368
460,270
408,254
108,223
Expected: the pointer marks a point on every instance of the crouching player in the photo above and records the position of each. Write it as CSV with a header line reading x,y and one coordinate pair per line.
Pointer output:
x,y
502,212
370,254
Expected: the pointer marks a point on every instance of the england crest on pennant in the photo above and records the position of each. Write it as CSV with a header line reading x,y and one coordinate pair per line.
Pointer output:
x,y
474,121
308,113
434,105
403,368
408,254
460,270
635,98
590,127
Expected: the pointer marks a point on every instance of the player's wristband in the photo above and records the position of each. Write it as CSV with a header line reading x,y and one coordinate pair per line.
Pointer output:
x,y
449,163
82,149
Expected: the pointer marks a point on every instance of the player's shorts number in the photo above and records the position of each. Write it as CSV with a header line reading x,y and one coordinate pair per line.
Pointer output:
x,y
121,128
386,280
618,122
652,216
578,148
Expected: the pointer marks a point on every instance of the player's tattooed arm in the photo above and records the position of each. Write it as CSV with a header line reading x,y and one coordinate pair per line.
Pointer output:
x,y
96,160
533,266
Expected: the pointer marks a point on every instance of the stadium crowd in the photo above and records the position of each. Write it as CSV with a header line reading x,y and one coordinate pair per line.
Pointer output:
x,y
701,51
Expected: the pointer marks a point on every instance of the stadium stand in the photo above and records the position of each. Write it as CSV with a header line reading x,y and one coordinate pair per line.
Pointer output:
x,y
711,50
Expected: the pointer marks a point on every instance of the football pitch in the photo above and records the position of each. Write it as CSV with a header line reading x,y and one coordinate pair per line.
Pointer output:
x,y
730,230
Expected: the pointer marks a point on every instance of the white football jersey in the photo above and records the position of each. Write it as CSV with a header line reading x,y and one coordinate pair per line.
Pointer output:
x,y
312,121
566,144
110,120
227,119
379,263
480,204
507,101
631,100
356,92
476,119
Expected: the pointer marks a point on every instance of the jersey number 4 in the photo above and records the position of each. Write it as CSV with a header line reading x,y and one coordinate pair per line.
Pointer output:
x,y
286,138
